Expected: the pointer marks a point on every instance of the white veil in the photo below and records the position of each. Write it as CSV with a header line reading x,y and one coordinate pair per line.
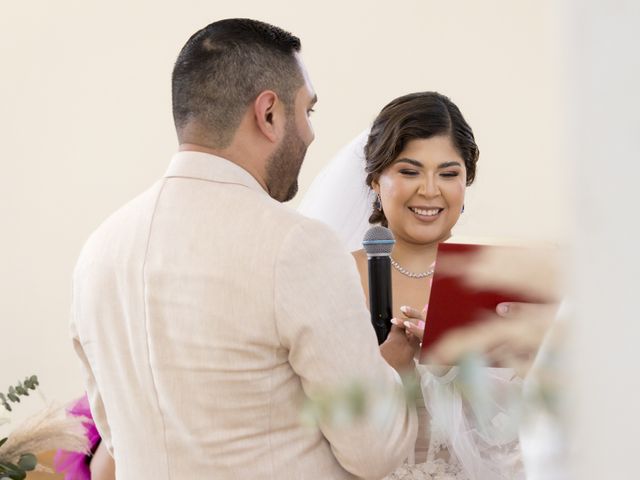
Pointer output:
x,y
339,195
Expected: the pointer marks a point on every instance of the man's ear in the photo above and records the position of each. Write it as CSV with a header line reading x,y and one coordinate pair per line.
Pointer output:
x,y
267,109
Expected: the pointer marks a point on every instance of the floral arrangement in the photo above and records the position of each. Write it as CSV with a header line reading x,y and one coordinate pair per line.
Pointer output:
x,y
47,430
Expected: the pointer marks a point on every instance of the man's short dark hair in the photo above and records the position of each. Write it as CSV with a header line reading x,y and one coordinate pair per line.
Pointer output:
x,y
222,69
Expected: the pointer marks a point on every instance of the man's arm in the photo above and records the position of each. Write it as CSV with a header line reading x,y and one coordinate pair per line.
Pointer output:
x,y
95,400
323,321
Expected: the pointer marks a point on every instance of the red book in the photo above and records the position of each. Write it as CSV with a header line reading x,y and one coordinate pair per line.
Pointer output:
x,y
453,303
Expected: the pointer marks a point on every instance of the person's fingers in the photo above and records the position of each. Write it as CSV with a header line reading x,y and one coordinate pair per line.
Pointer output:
x,y
417,330
503,341
515,309
397,324
414,322
412,313
538,313
533,271
478,338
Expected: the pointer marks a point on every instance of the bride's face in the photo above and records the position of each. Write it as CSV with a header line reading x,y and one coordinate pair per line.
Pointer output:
x,y
422,191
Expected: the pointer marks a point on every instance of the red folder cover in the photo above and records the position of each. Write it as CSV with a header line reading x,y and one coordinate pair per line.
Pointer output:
x,y
454,304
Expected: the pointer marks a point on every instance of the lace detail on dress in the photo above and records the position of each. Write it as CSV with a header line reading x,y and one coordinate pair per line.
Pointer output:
x,y
432,470
467,442
439,465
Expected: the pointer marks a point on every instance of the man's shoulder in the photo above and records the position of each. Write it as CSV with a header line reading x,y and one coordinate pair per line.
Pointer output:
x,y
311,229
126,222
306,240
287,219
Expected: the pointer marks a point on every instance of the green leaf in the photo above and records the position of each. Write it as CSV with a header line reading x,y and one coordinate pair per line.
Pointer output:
x,y
27,462
17,391
12,471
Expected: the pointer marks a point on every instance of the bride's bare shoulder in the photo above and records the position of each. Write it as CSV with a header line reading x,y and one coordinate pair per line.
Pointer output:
x,y
360,256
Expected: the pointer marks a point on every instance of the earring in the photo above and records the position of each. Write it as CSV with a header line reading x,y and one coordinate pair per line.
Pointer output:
x,y
462,208
377,204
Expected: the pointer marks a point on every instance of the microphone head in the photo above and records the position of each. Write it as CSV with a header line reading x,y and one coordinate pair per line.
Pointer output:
x,y
378,241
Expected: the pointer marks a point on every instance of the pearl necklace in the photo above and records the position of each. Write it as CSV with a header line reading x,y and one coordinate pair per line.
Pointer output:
x,y
406,272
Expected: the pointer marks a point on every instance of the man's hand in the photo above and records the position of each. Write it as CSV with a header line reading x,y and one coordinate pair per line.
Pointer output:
x,y
399,350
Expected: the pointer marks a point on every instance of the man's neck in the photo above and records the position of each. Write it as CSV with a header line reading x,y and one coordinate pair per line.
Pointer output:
x,y
227,155
195,147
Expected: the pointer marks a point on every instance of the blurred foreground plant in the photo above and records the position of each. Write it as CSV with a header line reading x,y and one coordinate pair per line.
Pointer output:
x,y
47,430
356,401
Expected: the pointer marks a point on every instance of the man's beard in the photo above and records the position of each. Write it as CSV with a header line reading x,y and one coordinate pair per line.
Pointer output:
x,y
284,166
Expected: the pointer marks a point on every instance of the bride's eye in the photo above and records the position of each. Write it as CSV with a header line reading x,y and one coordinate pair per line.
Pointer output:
x,y
449,174
410,173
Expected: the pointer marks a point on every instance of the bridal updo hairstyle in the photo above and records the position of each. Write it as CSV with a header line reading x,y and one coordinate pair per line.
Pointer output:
x,y
416,116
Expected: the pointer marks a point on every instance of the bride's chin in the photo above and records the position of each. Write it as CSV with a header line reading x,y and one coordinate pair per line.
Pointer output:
x,y
423,241
428,238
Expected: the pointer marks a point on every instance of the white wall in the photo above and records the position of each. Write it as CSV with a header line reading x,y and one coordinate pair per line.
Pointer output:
x,y
85,124
604,146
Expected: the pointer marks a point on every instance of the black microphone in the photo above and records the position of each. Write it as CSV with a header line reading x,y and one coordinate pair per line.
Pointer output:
x,y
378,243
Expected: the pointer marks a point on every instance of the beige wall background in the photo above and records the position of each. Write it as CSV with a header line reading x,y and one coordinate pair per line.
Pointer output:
x,y
604,147
86,124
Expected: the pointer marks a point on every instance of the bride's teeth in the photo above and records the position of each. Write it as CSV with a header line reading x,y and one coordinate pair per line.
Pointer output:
x,y
429,213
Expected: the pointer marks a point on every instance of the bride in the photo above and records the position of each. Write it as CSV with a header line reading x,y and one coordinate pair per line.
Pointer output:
x,y
409,173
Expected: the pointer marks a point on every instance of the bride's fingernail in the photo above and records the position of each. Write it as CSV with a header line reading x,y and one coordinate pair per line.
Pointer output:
x,y
421,324
408,324
404,309
503,308
394,321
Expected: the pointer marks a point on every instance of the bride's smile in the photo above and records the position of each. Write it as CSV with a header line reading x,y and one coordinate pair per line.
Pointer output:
x,y
428,214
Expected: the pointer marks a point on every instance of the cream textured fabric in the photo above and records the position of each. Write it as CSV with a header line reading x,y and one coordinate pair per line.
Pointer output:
x,y
204,313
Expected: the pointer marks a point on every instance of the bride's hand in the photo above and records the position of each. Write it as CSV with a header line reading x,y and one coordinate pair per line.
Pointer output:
x,y
413,322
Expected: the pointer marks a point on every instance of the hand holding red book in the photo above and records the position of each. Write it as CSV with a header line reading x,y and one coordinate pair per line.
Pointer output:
x,y
470,281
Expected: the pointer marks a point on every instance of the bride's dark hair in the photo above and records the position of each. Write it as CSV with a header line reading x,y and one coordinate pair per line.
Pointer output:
x,y
415,116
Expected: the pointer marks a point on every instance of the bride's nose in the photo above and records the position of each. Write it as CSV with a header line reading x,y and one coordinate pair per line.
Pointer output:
x,y
429,188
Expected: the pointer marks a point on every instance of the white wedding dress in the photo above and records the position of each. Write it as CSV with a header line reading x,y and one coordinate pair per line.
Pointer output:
x,y
470,440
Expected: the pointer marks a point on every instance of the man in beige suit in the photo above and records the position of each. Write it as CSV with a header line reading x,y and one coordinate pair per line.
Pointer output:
x,y
205,311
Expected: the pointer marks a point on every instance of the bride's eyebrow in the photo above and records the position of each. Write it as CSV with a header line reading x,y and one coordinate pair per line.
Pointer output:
x,y
410,161
450,164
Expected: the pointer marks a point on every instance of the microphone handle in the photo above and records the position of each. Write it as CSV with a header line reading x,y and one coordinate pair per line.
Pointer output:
x,y
380,299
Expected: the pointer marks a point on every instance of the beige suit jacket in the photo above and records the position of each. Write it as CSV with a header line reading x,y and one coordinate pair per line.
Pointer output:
x,y
204,313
